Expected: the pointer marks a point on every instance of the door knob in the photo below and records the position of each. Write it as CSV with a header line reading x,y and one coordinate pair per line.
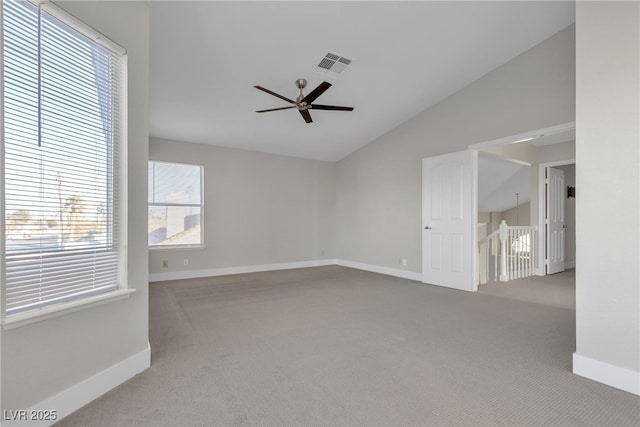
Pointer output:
x,y
428,228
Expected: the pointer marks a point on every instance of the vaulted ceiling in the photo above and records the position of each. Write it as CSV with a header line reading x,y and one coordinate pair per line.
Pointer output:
x,y
406,56
498,183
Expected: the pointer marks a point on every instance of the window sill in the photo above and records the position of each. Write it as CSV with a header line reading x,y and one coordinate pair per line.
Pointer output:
x,y
175,247
60,310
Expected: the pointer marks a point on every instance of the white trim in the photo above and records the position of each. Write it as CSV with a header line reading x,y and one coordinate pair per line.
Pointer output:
x,y
612,375
177,247
123,175
411,275
223,271
569,265
475,262
80,394
58,310
526,136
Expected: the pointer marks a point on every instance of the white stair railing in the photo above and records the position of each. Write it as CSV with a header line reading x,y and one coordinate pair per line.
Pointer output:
x,y
488,248
513,251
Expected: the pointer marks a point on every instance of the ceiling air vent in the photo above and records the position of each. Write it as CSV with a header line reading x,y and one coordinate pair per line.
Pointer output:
x,y
334,63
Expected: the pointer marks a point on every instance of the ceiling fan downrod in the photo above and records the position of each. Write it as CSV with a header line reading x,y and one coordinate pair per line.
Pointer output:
x,y
301,84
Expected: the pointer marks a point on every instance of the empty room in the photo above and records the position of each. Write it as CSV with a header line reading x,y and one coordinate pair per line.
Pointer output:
x,y
420,213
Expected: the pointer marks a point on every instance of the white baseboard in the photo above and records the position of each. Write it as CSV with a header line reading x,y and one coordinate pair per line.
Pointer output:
x,y
567,265
612,375
76,396
211,272
411,275
224,271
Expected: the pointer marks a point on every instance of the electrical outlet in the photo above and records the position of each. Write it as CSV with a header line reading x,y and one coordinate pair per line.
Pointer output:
x,y
403,262
165,264
322,252
186,261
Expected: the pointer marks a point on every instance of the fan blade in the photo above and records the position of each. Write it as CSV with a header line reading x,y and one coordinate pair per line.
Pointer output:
x,y
330,107
275,109
305,115
275,94
316,92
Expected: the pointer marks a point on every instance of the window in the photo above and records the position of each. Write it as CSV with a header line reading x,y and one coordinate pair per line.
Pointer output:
x,y
175,204
63,88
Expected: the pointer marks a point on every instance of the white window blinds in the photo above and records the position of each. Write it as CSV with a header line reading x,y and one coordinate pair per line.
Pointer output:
x,y
62,132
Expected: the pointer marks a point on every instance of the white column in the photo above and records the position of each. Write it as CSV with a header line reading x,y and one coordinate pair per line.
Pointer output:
x,y
504,235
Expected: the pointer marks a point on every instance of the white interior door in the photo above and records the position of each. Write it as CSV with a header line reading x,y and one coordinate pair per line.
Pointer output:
x,y
555,220
449,218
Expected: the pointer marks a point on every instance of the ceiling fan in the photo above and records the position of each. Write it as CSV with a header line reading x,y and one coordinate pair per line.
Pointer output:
x,y
304,103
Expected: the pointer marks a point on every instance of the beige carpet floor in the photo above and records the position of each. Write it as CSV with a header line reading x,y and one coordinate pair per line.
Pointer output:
x,y
338,346
556,290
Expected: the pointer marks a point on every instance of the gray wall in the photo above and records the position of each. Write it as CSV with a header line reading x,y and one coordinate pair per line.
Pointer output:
x,y
44,358
608,190
260,208
493,219
523,215
485,218
379,186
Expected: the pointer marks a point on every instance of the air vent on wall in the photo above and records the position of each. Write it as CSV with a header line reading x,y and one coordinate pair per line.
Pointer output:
x,y
334,63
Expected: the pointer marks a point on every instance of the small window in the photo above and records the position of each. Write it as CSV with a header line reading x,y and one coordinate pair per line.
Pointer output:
x,y
175,204
62,102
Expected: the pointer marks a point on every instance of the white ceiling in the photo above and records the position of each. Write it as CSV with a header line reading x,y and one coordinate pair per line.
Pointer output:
x,y
207,56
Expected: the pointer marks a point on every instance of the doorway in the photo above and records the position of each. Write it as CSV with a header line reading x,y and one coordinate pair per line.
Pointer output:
x,y
543,148
557,235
